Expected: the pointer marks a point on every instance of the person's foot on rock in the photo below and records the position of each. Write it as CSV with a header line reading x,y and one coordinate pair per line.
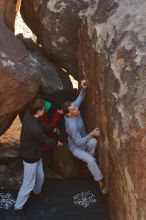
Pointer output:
x,y
103,189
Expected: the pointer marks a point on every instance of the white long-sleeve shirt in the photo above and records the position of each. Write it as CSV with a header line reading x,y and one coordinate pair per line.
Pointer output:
x,y
77,136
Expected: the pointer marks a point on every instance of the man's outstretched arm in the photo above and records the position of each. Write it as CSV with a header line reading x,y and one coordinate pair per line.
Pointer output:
x,y
82,94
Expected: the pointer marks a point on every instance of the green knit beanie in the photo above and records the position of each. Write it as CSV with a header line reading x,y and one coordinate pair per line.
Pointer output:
x,y
47,105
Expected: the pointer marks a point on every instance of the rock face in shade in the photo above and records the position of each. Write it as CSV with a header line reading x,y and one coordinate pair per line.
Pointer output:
x,y
8,11
112,55
66,165
56,25
21,75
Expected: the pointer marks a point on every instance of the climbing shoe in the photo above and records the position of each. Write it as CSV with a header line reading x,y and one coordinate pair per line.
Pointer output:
x,y
104,190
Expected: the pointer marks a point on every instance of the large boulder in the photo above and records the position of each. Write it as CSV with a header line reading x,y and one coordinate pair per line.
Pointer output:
x,y
56,25
52,77
21,76
112,56
8,11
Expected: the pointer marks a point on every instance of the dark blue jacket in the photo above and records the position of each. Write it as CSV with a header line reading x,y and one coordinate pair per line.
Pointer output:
x,y
33,137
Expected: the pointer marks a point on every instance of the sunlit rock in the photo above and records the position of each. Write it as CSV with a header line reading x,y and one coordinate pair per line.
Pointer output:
x,y
112,57
56,24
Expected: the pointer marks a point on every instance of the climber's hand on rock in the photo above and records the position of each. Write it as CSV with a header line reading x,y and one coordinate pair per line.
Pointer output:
x,y
95,132
84,84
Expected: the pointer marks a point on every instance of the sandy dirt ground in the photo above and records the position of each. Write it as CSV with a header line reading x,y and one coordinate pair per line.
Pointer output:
x,y
11,136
